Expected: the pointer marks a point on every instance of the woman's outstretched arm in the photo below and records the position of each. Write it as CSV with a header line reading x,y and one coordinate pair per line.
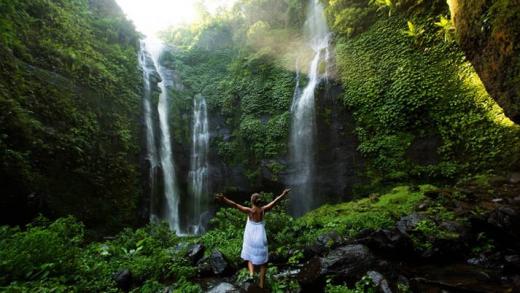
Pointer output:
x,y
276,200
220,197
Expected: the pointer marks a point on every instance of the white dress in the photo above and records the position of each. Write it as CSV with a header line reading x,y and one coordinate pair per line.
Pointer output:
x,y
254,247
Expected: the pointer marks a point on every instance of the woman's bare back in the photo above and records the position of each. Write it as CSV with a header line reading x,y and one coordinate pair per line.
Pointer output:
x,y
256,214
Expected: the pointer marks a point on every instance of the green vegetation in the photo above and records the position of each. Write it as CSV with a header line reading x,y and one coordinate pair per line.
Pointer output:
x,y
374,212
406,81
365,285
237,61
70,90
56,256
411,90
69,110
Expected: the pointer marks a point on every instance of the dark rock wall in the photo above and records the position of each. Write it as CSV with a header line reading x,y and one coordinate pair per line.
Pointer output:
x,y
489,33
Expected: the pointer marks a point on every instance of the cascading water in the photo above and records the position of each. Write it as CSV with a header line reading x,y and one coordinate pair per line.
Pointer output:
x,y
151,148
171,192
198,175
303,127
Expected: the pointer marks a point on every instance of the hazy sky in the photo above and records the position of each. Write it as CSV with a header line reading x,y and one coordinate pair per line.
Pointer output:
x,y
151,16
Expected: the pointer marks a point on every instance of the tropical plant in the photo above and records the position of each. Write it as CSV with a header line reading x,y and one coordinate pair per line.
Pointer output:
x,y
414,31
446,28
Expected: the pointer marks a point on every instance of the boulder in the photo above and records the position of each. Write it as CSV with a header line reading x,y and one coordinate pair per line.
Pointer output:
x,y
123,280
204,267
323,244
455,278
195,252
390,242
505,224
348,262
223,288
329,239
407,224
218,263
380,281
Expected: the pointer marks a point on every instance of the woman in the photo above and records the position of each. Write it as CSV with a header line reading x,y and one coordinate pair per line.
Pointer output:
x,y
254,247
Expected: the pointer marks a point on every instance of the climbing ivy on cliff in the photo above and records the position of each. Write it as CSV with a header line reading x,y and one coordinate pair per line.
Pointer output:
x,y
408,89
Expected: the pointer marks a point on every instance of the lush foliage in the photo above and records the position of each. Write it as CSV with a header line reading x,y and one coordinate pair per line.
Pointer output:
x,y
372,213
237,62
54,255
420,110
408,84
69,110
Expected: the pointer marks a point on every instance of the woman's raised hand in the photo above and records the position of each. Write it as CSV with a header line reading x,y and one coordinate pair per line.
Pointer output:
x,y
286,191
219,197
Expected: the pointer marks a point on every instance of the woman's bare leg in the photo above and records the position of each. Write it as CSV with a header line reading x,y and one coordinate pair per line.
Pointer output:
x,y
251,268
263,269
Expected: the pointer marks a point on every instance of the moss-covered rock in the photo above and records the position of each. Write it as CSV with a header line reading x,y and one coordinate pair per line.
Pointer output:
x,y
489,32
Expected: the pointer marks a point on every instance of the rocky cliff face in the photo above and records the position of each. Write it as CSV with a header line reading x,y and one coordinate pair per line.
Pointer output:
x,y
488,32
339,166
69,112
338,163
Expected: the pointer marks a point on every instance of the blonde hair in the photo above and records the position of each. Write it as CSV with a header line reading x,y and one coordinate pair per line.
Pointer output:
x,y
255,199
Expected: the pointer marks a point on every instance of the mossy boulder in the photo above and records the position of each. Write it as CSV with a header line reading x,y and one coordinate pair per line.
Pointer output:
x,y
489,33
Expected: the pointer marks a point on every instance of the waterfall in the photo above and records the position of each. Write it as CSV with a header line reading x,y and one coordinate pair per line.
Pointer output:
x,y
303,126
171,191
151,148
198,175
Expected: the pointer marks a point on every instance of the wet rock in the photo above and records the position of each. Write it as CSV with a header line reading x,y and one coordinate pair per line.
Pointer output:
x,y
478,261
329,239
346,262
204,267
505,225
512,263
323,244
455,278
123,280
218,263
224,288
380,281
505,218
406,224
195,252
391,242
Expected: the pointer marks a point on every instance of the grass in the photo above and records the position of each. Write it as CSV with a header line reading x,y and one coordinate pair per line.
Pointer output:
x,y
375,212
